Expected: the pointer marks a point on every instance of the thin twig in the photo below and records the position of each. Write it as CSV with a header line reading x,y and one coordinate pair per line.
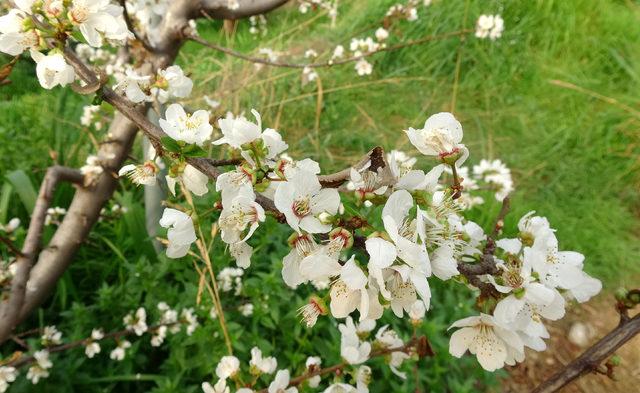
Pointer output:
x,y
14,250
329,63
419,345
28,359
132,29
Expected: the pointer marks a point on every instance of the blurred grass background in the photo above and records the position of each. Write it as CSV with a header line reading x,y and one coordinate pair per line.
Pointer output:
x,y
574,154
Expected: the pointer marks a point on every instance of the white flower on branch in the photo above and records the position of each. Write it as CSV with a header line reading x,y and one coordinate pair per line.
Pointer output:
x,y
242,214
194,181
407,243
180,234
352,350
482,336
280,383
417,311
382,34
241,252
302,199
262,365
246,310
51,336
144,174
11,226
7,375
40,369
489,26
219,387
363,67
302,246
240,133
227,367
350,292
136,322
190,319
119,352
93,347
402,170
52,70
340,388
171,83
98,20
441,137
158,337
14,39
497,175
134,86
188,128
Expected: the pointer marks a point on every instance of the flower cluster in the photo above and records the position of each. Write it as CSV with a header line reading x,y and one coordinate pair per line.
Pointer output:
x,y
422,235
51,340
356,347
32,23
489,26
534,280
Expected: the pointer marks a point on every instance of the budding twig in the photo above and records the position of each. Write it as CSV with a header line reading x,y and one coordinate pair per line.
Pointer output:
x,y
419,345
330,63
22,360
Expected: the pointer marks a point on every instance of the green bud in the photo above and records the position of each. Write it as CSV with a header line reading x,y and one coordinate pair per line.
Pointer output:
x,y
519,293
262,186
451,158
621,294
615,360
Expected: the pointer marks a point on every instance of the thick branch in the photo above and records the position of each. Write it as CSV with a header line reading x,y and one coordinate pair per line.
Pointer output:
x,y
10,309
328,63
592,357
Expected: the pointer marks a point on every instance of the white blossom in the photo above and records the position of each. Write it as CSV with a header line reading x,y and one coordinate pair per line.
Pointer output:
x,y
280,383
40,369
193,180
180,234
136,322
13,38
144,174
8,374
489,26
493,345
51,336
227,367
119,352
93,347
441,137
219,387
260,364
52,70
188,128
363,67
301,199
352,350
172,83
98,19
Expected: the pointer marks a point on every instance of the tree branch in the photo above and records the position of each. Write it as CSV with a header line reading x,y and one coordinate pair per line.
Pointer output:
x,y
592,357
23,360
10,310
329,63
418,344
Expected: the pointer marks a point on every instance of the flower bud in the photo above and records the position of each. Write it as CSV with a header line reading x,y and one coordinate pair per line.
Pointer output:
x,y
344,235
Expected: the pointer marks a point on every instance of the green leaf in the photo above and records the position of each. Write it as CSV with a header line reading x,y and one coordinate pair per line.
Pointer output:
x,y
194,151
5,197
170,144
24,188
